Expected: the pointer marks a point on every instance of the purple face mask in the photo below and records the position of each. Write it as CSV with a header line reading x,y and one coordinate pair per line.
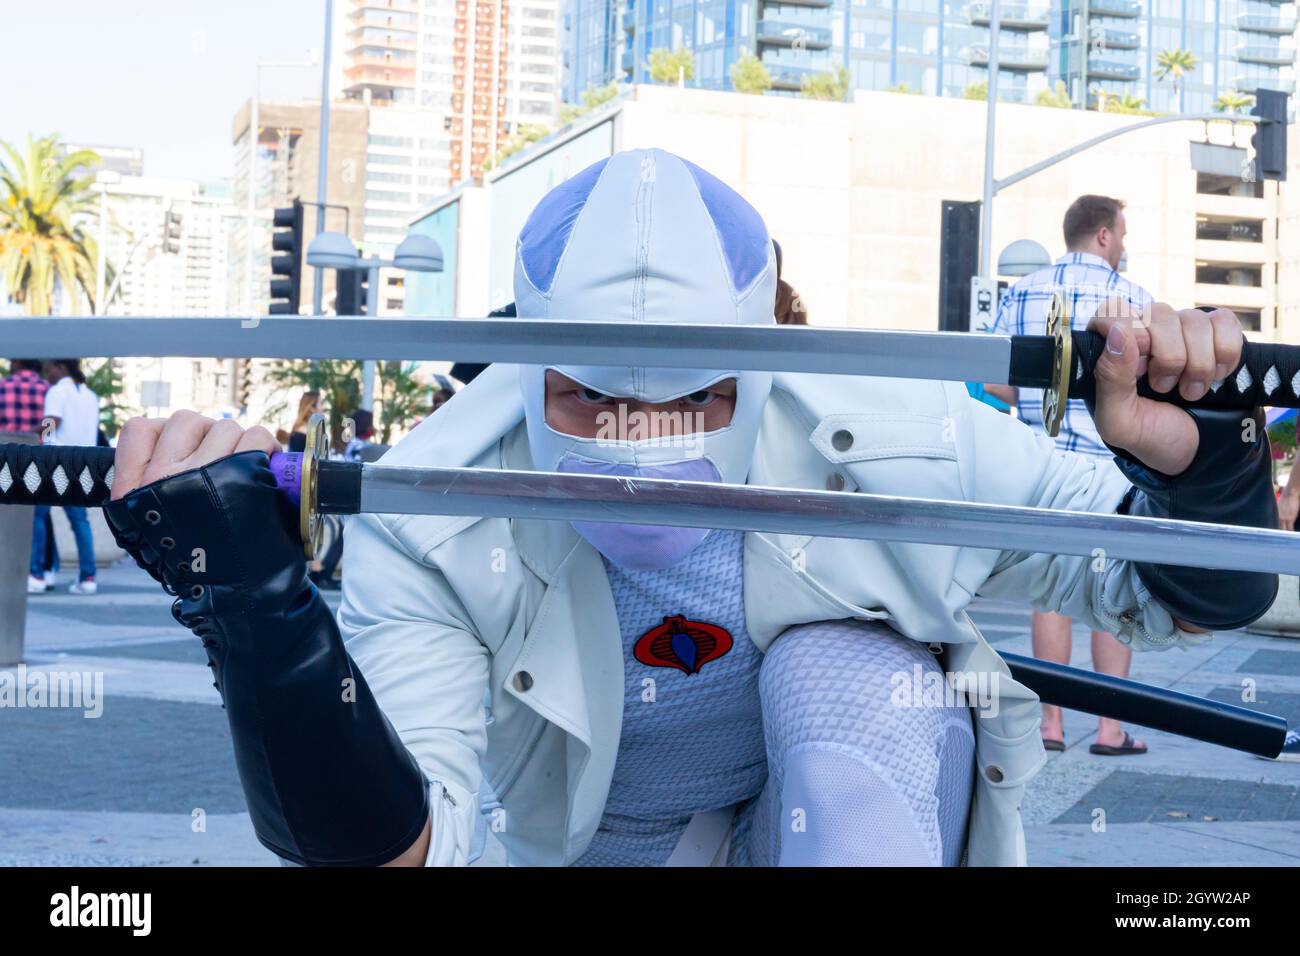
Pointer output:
x,y
641,547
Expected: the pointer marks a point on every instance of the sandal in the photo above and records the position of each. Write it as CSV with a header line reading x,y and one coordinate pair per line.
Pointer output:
x,y
1052,744
1123,750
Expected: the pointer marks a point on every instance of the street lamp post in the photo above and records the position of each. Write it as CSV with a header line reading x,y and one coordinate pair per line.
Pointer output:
x,y
990,122
322,164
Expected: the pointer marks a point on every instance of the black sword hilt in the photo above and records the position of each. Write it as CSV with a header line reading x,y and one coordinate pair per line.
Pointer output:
x,y
83,477
1062,363
55,475
1267,374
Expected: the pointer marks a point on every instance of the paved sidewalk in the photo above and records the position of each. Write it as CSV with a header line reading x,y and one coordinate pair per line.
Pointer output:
x,y
1185,802
152,780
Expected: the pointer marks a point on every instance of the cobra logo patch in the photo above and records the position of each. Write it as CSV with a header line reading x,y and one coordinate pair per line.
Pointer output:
x,y
682,644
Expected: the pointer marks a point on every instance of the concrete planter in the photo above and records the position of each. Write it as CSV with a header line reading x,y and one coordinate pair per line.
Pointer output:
x,y
1283,618
106,549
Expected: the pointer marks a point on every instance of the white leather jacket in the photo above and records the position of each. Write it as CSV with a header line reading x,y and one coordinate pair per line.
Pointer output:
x,y
493,647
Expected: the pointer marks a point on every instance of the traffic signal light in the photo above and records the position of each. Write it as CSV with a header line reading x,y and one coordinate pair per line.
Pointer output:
x,y
351,289
286,239
959,259
172,232
1269,139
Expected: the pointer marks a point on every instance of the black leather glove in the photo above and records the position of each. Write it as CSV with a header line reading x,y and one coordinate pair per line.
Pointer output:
x,y
1230,481
327,781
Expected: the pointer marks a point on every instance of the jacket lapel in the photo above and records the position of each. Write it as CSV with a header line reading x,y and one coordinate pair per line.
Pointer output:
x,y
573,656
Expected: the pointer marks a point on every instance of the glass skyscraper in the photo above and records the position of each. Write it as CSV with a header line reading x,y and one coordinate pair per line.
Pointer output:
x,y
941,47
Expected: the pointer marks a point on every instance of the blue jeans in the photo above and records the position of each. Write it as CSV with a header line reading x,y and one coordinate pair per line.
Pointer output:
x,y
80,530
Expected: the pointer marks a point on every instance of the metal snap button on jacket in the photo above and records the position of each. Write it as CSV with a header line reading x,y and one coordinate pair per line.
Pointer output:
x,y
842,440
523,681
835,482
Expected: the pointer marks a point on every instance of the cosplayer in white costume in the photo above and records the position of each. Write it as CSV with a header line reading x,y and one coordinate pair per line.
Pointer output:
x,y
652,695
813,741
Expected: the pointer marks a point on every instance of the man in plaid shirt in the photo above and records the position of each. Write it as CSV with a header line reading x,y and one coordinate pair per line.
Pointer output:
x,y
1094,235
22,397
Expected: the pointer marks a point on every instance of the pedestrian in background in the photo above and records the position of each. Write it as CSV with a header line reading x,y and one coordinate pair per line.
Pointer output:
x,y
1094,229
309,404
22,409
71,418
790,308
363,430
466,372
443,394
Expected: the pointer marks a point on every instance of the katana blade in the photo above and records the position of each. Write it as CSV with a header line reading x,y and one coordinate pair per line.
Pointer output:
x,y
70,475
387,489
838,351
1061,363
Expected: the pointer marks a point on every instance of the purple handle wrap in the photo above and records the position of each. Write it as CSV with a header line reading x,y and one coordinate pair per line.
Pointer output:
x,y
287,468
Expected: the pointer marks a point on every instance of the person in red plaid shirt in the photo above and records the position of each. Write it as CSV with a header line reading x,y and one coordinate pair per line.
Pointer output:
x,y
22,409
22,397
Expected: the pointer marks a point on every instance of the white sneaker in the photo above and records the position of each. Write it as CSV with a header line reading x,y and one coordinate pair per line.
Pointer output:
x,y
51,579
84,587
35,585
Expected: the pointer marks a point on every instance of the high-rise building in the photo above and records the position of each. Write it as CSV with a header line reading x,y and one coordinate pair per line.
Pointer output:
x,y
859,222
187,279
125,160
459,76
176,273
288,149
941,47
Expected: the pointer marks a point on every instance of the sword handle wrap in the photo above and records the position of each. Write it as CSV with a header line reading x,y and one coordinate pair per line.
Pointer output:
x,y
1267,375
55,475
83,476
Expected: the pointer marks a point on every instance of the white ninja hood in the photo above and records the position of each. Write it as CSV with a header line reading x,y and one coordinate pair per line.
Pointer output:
x,y
645,236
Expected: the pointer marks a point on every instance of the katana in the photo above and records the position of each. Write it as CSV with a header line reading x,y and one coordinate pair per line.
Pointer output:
x,y
1061,362
66,475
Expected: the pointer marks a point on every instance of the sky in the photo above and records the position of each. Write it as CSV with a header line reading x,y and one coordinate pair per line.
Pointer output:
x,y
163,75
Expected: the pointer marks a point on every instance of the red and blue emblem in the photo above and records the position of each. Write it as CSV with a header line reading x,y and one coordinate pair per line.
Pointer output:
x,y
685,645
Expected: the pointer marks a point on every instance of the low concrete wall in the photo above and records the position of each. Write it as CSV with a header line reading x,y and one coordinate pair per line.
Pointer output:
x,y
1283,618
15,559
106,549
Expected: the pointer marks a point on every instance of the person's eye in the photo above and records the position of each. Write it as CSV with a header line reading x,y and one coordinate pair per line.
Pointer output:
x,y
591,396
701,398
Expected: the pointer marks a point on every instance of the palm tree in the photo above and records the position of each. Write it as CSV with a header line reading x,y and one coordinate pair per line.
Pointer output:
x,y
1232,102
1125,103
338,381
749,75
831,85
592,97
1175,64
42,191
524,135
669,66
403,398
1057,98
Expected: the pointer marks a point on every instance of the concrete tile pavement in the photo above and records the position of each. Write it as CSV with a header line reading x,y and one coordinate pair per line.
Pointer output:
x,y
1077,810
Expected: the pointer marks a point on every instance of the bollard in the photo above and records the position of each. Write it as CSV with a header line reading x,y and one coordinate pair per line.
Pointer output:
x,y
15,559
